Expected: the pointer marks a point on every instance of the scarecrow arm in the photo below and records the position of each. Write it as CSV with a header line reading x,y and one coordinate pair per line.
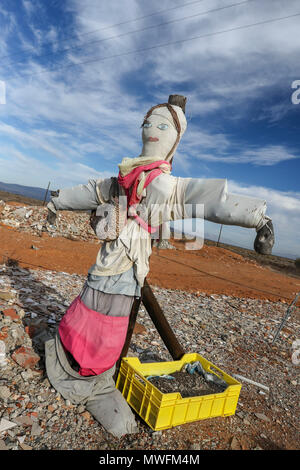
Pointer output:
x,y
82,197
180,198
213,201
209,198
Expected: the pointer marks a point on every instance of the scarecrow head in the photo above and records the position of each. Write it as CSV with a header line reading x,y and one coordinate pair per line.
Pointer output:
x,y
163,128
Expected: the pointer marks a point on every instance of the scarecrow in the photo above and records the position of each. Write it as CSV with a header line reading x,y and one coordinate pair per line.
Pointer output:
x,y
80,360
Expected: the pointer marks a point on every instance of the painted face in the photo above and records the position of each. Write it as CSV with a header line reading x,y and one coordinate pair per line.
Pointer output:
x,y
159,135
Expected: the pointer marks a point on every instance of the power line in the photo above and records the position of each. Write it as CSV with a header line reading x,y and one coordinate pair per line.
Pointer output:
x,y
180,41
224,278
75,36
117,36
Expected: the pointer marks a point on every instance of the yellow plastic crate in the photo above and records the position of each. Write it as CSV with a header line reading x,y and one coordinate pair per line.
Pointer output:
x,y
166,410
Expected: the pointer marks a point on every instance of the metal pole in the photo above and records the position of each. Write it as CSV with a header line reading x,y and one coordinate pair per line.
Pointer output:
x,y
288,312
219,235
46,194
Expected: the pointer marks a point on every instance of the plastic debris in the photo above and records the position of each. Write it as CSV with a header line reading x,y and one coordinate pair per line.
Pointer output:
x,y
244,379
165,376
197,367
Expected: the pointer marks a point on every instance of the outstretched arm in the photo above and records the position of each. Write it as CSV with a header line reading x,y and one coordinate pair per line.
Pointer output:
x,y
82,197
230,209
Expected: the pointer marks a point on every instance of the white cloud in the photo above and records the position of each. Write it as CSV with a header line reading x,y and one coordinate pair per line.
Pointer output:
x,y
18,167
287,202
264,156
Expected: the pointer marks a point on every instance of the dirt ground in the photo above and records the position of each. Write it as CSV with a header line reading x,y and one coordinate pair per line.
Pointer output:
x,y
212,269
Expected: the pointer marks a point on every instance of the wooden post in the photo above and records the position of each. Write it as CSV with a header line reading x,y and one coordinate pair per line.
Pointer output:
x,y
178,100
132,319
160,322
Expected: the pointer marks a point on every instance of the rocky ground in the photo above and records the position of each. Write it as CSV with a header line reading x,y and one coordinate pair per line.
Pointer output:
x,y
235,334
32,219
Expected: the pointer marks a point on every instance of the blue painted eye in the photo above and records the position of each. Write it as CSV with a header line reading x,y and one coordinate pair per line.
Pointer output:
x,y
163,127
147,124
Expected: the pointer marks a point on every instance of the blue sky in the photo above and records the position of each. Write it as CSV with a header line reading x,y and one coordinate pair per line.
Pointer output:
x,y
76,94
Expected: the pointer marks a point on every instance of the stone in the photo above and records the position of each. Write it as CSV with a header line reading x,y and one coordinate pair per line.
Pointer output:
x,y
139,329
195,447
24,420
262,417
86,415
25,357
5,425
80,409
18,335
4,392
244,443
20,212
27,375
3,445
3,333
12,313
4,295
235,445
36,430
25,446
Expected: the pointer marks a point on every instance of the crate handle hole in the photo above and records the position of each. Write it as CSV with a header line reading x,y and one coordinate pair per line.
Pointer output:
x,y
216,372
139,378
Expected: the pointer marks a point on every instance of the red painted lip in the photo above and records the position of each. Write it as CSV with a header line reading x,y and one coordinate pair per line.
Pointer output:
x,y
153,139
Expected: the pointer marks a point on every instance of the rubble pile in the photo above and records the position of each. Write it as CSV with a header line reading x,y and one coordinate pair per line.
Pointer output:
x,y
163,245
235,334
73,225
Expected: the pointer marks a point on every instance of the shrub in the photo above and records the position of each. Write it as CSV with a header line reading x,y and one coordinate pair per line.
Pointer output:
x,y
297,263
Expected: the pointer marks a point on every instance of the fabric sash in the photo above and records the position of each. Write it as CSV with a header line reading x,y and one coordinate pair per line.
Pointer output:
x,y
134,183
94,340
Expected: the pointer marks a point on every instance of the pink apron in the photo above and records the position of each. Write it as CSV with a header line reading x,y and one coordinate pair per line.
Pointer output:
x,y
94,340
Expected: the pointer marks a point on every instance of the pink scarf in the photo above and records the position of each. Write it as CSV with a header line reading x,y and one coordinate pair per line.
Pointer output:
x,y
130,183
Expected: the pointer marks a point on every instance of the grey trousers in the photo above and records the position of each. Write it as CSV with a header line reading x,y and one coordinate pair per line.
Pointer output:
x,y
98,393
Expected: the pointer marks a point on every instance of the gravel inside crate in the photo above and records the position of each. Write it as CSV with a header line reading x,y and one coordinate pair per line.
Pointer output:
x,y
188,385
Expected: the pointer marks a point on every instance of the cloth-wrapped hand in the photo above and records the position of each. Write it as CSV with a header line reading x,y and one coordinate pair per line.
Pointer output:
x,y
265,239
